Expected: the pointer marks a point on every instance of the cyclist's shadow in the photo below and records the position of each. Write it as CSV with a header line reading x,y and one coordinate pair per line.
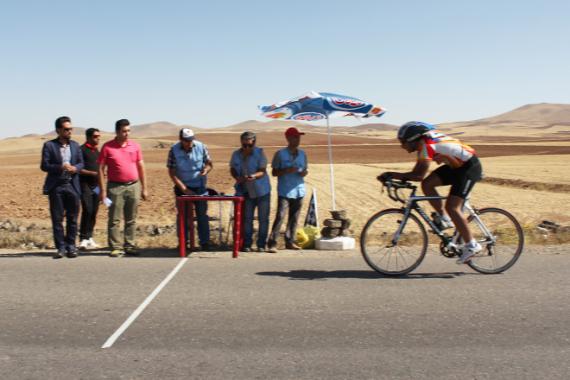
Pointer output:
x,y
302,274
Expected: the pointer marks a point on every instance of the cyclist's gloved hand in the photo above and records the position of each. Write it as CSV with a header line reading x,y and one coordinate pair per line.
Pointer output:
x,y
386,176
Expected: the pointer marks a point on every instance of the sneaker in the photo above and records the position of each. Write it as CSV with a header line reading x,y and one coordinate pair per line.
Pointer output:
x,y
292,246
84,244
246,249
468,251
443,222
272,249
116,253
59,254
92,244
260,249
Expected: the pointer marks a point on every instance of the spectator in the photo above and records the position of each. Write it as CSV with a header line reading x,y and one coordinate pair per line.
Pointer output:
x,y
62,160
248,166
290,166
188,166
126,183
88,178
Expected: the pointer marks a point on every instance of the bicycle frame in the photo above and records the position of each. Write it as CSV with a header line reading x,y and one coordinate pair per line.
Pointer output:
x,y
412,204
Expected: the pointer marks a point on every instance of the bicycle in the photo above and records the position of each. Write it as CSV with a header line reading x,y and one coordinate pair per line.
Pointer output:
x,y
394,241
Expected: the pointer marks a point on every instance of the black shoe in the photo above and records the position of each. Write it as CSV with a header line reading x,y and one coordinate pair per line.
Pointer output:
x,y
206,247
292,246
59,254
131,251
71,252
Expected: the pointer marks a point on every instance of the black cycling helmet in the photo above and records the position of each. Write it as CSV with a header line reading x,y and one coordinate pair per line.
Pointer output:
x,y
413,131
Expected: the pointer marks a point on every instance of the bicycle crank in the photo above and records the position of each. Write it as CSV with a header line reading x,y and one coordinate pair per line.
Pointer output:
x,y
447,250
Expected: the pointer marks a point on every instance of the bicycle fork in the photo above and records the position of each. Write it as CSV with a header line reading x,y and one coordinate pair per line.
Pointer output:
x,y
400,228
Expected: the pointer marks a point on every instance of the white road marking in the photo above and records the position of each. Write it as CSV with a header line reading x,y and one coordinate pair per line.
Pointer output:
x,y
143,305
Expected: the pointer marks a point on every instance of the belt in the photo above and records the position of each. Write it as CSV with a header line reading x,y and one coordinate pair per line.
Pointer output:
x,y
124,183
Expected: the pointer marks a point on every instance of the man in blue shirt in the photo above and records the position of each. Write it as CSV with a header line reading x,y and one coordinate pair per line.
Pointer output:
x,y
290,166
248,166
188,165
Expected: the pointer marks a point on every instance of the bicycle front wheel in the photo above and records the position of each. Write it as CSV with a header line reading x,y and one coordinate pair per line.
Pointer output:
x,y
502,239
391,248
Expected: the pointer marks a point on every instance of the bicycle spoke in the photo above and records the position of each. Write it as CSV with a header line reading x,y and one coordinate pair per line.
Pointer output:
x,y
502,237
403,256
378,247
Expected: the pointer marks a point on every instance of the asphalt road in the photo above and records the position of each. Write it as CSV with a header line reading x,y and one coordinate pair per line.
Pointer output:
x,y
310,315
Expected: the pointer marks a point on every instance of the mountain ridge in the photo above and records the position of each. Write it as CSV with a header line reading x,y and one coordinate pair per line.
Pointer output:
x,y
538,115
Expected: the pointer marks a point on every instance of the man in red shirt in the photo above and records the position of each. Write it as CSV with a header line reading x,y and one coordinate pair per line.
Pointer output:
x,y
126,184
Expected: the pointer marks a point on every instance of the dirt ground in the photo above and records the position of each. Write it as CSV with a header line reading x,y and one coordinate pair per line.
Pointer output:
x,y
357,162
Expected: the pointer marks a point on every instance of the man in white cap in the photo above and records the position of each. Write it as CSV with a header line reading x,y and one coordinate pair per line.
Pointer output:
x,y
188,166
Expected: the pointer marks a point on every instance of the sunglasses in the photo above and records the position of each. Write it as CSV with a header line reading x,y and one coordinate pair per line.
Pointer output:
x,y
96,136
247,145
67,129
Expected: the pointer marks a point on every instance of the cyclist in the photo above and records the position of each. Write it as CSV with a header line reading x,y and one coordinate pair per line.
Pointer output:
x,y
461,169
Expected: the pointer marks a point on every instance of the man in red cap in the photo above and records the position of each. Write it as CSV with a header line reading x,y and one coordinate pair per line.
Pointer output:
x,y
290,166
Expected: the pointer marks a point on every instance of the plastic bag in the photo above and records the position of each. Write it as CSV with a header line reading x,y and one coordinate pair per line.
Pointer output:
x,y
306,236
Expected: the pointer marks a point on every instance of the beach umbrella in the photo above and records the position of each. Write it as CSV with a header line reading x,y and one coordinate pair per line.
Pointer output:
x,y
315,106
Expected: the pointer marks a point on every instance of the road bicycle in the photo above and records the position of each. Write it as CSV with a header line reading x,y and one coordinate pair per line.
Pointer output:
x,y
394,241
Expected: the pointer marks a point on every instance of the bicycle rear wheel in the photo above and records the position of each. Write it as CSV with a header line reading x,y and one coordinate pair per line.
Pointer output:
x,y
502,239
387,253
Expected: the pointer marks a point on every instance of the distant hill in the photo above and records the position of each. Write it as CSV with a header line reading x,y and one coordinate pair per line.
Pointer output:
x,y
546,113
373,127
532,121
261,126
77,133
536,115
282,125
159,128
543,121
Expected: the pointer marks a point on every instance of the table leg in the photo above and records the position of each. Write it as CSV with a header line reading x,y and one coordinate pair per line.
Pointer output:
x,y
191,225
237,228
181,228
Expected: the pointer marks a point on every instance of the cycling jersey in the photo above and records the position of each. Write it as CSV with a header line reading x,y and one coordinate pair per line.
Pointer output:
x,y
438,147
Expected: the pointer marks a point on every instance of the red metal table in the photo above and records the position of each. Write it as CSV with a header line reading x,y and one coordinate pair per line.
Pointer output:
x,y
182,218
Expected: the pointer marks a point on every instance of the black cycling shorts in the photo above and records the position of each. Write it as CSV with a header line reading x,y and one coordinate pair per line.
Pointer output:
x,y
461,179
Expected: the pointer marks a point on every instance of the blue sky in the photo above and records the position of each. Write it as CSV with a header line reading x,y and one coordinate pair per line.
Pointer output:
x,y
209,64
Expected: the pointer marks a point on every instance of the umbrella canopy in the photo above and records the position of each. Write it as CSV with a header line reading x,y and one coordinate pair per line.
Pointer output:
x,y
321,105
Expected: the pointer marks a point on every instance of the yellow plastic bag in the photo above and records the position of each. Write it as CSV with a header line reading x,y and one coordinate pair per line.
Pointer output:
x,y
306,236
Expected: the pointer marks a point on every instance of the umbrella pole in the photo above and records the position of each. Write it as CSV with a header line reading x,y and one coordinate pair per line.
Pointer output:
x,y
331,164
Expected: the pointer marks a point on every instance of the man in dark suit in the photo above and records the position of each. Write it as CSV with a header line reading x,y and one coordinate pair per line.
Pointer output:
x,y
62,160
